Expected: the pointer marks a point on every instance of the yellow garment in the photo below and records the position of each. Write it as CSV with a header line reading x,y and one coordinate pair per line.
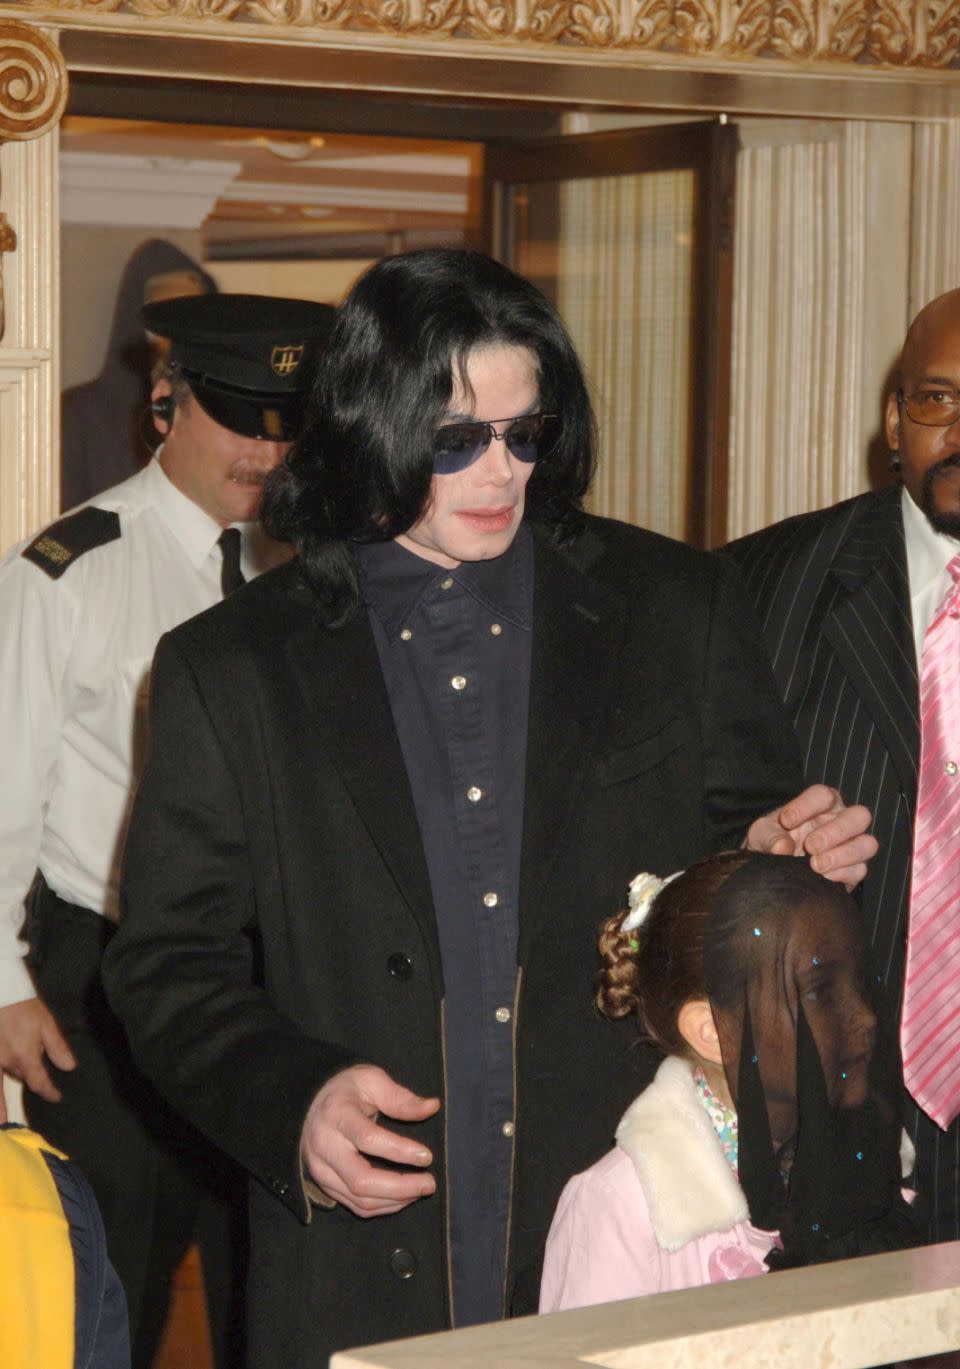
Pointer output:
x,y
36,1259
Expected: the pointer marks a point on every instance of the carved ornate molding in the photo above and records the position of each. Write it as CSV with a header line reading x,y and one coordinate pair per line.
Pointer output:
x,y
924,34
892,33
33,93
33,81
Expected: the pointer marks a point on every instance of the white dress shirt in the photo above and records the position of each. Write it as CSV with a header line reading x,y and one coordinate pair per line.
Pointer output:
x,y
928,554
74,676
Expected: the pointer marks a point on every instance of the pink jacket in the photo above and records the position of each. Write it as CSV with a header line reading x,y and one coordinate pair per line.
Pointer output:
x,y
661,1211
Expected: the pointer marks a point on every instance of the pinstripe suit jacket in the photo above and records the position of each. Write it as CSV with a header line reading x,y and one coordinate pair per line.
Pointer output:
x,y
832,592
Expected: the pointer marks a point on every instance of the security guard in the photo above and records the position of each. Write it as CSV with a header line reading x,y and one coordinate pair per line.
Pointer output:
x,y
82,607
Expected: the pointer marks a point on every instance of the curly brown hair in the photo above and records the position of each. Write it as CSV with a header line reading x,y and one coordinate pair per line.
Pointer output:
x,y
666,968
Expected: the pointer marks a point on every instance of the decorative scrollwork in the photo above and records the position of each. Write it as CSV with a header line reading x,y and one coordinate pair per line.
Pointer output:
x,y
280,11
845,38
943,33
328,13
408,16
545,20
832,30
389,16
593,23
891,32
736,27
491,18
33,81
442,16
923,34
89,6
299,13
185,9
917,33
651,23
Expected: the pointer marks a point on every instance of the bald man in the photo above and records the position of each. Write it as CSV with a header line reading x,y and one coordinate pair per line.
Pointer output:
x,y
846,596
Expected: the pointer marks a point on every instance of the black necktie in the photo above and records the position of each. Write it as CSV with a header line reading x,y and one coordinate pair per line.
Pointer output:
x,y
231,576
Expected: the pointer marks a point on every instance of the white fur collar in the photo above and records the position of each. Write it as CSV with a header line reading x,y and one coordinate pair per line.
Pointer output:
x,y
686,1178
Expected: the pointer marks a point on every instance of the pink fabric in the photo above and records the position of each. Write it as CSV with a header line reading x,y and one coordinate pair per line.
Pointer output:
x,y
930,1029
601,1247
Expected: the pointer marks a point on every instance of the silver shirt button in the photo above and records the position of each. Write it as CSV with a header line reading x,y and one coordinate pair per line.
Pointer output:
x,y
508,1129
496,629
474,794
503,1014
459,682
490,900
405,634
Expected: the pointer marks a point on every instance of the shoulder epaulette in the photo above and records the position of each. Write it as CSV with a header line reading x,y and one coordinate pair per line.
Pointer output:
x,y
58,546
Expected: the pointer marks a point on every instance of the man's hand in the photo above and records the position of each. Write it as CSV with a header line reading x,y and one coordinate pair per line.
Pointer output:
x,y
341,1130
818,824
28,1030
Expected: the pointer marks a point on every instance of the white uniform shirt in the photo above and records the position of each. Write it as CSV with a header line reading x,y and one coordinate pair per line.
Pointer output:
x,y
74,677
928,554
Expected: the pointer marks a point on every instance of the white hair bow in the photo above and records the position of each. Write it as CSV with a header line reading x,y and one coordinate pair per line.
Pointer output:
x,y
643,890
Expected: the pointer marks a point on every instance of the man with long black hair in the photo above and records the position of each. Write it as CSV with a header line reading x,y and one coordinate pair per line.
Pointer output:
x,y
394,788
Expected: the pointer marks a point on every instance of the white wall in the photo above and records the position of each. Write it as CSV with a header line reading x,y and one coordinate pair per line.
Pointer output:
x,y
324,281
92,261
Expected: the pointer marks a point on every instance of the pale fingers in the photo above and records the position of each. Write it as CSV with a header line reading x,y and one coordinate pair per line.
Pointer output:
x,y
27,1030
342,1134
841,831
815,803
367,1189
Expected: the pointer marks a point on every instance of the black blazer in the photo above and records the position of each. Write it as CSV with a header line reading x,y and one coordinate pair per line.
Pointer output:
x,y
274,869
832,593
833,596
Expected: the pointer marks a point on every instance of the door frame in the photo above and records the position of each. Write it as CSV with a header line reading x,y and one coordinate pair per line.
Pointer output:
x,y
709,149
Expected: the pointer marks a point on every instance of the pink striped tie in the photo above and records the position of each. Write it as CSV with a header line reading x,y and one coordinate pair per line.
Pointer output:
x,y
930,1029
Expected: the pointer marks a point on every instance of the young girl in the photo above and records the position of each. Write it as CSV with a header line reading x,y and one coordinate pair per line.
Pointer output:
x,y
770,1135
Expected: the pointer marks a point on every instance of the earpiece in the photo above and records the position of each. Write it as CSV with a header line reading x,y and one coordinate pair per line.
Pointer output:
x,y
163,408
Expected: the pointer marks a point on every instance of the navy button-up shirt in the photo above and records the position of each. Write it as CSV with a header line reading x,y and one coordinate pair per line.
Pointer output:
x,y
454,647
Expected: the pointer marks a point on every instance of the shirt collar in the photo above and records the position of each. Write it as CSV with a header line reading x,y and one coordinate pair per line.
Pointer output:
x,y
394,581
193,528
928,551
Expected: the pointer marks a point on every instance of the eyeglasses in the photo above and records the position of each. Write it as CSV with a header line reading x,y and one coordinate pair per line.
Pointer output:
x,y
530,438
933,408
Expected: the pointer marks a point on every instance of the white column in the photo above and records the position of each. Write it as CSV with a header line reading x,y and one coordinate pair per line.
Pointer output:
x,y
33,94
32,98
29,370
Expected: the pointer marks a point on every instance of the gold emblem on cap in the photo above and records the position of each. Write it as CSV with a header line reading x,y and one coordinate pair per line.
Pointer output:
x,y
271,423
285,360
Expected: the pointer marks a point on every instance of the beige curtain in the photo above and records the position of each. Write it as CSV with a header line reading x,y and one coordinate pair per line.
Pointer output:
x,y
935,212
797,365
624,290
843,231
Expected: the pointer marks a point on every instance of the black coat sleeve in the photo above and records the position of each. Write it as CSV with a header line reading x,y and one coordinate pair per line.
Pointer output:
x,y
181,970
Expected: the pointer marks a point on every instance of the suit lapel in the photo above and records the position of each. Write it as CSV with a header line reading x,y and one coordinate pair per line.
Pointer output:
x,y
577,628
339,677
869,628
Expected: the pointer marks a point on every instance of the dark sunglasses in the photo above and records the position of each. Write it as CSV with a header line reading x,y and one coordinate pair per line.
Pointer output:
x,y
457,445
